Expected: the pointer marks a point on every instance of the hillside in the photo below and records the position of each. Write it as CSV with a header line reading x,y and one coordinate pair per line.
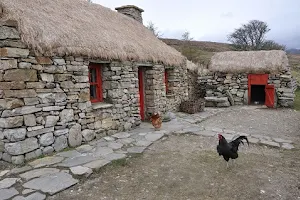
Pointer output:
x,y
202,51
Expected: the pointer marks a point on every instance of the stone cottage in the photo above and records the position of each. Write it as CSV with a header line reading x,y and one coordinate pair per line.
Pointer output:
x,y
72,71
249,77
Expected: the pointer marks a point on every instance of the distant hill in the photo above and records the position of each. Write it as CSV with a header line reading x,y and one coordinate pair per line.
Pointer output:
x,y
202,51
197,51
293,51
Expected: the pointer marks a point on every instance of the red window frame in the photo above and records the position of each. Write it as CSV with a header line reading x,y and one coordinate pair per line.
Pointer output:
x,y
166,81
98,83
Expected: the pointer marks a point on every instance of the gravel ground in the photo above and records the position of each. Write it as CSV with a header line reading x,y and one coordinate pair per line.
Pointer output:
x,y
282,123
188,167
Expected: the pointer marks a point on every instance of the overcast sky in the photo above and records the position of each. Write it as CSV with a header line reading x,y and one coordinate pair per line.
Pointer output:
x,y
213,20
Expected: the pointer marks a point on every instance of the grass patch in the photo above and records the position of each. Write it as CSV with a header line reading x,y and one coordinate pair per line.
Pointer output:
x,y
120,162
297,100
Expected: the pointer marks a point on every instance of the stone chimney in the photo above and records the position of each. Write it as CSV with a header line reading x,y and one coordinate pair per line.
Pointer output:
x,y
131,11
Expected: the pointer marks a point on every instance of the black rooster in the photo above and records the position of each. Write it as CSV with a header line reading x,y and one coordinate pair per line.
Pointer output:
x,y
230,149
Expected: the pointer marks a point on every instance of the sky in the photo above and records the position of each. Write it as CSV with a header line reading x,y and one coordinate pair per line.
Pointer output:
x,y
213,20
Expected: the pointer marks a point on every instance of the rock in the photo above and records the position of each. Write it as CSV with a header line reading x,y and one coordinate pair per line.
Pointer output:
x,y
230,98
51,121
3,173
31,155
19,170
48,150
14,52
269,143
52,184
39,131
8,182
153,136
27,191
34,196
88,135
20,75
46,139
136,149
31,101
13,85
47,77
8,64
107,123
108,138
223,104
76,161
101,151
67,115
60,143
6,157
20,111
46,161
240,94
80,171
233,91
206,133
8,193
29,120
114,145
18,160
61,132
14,135
114,156
75,136
121,135
279,140
59,61
143,143
216,99
38,173
97,164
69,154
84,148
287,146
27,93
22,147
11,122
43,60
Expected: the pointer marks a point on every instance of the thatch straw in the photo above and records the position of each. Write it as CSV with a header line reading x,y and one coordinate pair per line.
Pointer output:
x,y
249,61
76,27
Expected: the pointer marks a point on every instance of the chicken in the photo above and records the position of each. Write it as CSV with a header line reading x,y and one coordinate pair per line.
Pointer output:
x,y
156,121
230,149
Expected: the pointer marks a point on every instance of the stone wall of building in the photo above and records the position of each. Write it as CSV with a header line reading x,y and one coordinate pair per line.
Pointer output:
x,y
45,101
232,89
178,87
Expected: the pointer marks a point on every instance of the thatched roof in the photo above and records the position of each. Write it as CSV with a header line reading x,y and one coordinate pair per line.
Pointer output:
x,y
76,27
249,61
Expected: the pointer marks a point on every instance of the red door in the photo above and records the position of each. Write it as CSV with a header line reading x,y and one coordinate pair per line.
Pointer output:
x,y
270,92
141,92
256,79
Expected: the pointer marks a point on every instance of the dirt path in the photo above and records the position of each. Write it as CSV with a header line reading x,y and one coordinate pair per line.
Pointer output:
x,y
188,167
283,123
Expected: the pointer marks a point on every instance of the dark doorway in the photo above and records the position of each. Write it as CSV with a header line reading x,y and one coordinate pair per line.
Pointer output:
x,y
258,95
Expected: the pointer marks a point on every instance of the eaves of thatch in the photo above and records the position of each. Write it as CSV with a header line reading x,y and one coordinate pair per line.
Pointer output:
x,y
249,61
76,27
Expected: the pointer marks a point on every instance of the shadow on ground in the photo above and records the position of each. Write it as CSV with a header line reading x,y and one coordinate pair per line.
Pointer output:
x,y
188,167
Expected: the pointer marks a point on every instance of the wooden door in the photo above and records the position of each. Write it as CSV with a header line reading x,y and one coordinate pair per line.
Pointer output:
x,y
141,93
256,79
270,93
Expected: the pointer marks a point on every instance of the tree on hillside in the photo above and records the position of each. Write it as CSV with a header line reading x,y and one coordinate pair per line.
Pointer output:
x,y
153,29
252,36
186,36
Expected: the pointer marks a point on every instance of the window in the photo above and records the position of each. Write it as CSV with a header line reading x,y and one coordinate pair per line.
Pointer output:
x,y
95,77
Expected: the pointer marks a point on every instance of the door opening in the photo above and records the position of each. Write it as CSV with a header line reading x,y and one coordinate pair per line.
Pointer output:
x,y
258,95
141,93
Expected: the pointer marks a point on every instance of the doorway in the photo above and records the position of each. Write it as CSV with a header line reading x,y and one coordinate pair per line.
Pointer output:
x,y
258,94
141,77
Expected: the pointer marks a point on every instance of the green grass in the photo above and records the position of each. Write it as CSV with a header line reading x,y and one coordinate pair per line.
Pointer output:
x,y
297,100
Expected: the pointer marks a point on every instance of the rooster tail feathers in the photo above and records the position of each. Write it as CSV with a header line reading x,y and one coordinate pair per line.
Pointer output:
x,y
240,139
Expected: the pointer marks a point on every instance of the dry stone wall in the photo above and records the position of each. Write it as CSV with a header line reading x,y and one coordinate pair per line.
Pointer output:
x,y
223,90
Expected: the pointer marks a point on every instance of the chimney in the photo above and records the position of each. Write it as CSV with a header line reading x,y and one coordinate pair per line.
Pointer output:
x,y
131,11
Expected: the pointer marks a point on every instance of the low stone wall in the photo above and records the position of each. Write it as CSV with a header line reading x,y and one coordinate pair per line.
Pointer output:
x,y
45,101
235,88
